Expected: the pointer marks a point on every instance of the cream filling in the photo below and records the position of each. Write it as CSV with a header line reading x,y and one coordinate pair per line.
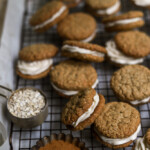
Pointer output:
x,y
74,49
142,2
34,68
141,144
89,112
136,102
119,141
56,15
118,57
124,21
70,93
109,10
90,38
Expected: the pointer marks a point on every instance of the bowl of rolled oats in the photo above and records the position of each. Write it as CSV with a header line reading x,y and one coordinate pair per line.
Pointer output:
x,y
27,107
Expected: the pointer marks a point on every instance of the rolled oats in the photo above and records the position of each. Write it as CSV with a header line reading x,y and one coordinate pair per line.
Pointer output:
x,y
26,103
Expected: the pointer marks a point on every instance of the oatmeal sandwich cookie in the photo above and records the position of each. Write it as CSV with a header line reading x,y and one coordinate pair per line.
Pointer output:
x,y
142,3
49,15
118,125
72,3
128,48
143,143
78,26
36,60
82,109
132,84
126,21
69,77
83,51
101,8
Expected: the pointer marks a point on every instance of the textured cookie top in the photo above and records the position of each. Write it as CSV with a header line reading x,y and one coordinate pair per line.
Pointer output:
x,y
128,15
131,83
100,4
78,105
133,43
37,52
117,120
77,26
73,75
89,46
45,12
147,136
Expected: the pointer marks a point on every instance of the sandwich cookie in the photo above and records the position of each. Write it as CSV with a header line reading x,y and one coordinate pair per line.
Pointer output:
x,y
101,8
118,125
49,15
128,48
142,3
143,143
36,60
69,77
83,51
126,21
82,109
132,84
78,26
71,3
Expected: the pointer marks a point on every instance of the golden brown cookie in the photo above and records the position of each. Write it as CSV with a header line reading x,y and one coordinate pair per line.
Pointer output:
x,y
49,15
131,84
69,77
126,21
133,43
77,26
83,51
128,48
35,61
103,7
38,52
82,109
118,125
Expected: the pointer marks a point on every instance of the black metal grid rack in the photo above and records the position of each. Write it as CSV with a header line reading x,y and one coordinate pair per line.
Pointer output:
x,y
24,139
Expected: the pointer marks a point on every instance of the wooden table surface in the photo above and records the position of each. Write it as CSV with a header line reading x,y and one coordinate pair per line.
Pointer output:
x,y
3,4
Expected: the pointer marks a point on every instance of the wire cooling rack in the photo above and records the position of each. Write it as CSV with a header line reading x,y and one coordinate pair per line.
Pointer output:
x,y
24,139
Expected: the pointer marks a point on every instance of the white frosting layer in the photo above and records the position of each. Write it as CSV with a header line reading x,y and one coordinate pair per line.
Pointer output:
x,y
142,2
120,141
70,93
56,15
109,10
74,49
118,57
123,22
34,68
136,102
89,112
141,144
90,38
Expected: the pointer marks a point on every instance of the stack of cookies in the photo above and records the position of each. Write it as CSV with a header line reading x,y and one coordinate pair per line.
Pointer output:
x,y
115,124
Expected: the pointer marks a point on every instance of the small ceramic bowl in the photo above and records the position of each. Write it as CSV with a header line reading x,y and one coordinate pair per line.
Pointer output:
x,y
66,138
27,122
